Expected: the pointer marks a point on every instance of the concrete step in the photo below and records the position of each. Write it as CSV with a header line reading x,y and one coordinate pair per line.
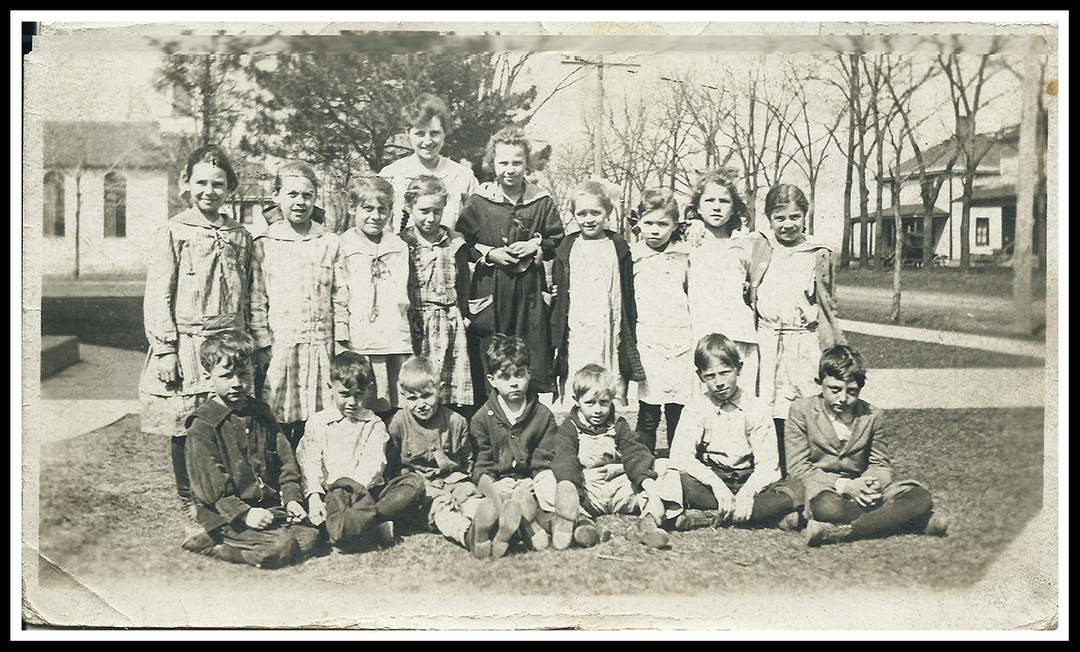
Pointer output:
x,y
58,352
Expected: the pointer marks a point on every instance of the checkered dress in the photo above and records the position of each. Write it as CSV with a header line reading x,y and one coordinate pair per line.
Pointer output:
x,y
435,298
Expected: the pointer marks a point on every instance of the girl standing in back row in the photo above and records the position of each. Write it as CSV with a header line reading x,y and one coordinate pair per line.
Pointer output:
x,y
512,227
299,303
198,281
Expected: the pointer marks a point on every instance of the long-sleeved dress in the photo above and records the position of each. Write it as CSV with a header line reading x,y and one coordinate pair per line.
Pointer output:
x,y
299,307
198,282
511,300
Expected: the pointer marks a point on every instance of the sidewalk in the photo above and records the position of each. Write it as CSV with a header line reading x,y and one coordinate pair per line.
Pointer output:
x,y
103,387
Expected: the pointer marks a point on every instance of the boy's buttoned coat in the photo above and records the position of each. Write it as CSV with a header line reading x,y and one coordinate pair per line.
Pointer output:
x,y
816,457
520,450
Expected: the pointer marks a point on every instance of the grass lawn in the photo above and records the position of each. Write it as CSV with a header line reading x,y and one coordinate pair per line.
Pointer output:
x,y
108,515
891,353
986,281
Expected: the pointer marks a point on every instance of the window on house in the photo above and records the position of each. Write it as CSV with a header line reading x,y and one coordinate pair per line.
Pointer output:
x,y
54,205
247,212
982,231
115,205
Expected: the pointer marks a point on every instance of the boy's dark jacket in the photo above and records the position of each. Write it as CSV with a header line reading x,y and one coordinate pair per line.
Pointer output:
x,y
238,459
629,361
519,451
635,457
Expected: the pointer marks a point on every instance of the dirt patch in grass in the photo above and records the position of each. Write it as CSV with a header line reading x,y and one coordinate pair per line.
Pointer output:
x,y
889,353
109,515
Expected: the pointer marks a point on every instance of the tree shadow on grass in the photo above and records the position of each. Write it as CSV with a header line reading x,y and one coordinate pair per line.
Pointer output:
x,y
101,321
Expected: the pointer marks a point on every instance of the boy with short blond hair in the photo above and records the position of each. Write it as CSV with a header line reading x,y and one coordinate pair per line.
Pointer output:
x,y
725,448
245,481
343,456
838,449
510,429
599,468
431,440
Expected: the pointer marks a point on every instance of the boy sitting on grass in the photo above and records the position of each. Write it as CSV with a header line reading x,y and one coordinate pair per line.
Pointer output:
x,y
433,441
509,429
599,467
837,448
244,479
342,459
725,448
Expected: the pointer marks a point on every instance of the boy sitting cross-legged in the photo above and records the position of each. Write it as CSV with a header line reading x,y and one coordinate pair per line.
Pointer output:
x,y
343,460
726,450
244,479
509,429
599,467
429,439
837,448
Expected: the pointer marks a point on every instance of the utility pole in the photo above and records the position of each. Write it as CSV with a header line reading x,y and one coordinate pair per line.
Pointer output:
x,y
598,135
1026,186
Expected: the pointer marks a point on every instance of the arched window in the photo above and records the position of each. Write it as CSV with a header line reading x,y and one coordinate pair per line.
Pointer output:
x,y
115,205
54,204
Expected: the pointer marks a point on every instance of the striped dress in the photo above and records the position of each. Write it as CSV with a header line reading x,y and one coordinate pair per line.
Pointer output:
x,y
299,307
197,283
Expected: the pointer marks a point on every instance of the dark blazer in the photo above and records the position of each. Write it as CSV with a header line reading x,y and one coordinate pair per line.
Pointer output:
x,y
238,459
816,458
630,367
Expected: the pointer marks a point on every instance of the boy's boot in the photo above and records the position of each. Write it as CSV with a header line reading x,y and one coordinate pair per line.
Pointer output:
x,y
693,519
479,533
198,541
586,534
819,533
792,521
384,533
938,523
486,485
532,533
648,532
567,507
509,522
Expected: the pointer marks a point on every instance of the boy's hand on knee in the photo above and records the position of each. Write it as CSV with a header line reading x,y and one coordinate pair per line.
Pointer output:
x,y
744,507
259,518
863,491
316,510
725,500
296,512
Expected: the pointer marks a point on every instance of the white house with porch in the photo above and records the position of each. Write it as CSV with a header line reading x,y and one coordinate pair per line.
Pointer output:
x,y
993,206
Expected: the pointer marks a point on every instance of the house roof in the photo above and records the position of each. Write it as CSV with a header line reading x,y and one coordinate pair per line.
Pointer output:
x,y
105,145
906,210
1004,142
995,195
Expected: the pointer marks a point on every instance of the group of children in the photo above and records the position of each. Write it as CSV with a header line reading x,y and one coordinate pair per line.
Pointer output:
x,y
317,388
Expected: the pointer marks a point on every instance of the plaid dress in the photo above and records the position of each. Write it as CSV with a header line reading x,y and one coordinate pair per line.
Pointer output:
x,y
299,307
438,274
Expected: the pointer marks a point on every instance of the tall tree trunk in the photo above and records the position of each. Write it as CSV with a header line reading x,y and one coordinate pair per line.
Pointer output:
x,y
899,249
813,202
879,237
965,220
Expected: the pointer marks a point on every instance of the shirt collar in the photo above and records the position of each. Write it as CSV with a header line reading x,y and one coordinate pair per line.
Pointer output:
x,y
492,191
389,243
193,217
333,415
283,231
736,400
